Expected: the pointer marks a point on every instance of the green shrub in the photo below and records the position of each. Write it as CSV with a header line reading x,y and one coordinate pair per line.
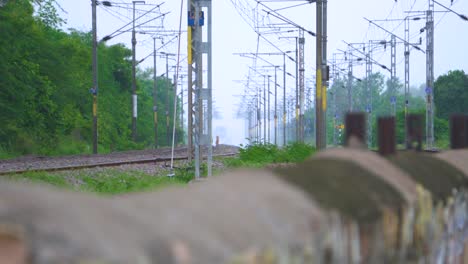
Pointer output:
x,y
118,182
4,154
66,146
41,177
295,152
259,154
107,182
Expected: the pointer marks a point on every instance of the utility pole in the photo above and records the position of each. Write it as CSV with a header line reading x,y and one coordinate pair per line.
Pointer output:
x,y
321,76
259,115
335,112
430,76
264,109
325,69
94,90
308,106
296,100
318,89
249,127
199,135
369,94
350,81
407,44
291,109
174,121
407,74
134,86
195,69
276,107
168,102
155,100
393,93
268,115
284,99
301,82
182,105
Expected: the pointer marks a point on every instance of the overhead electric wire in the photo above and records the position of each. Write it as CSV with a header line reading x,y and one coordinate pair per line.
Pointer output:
x,y
151,54
464,17
110,35
285,19
288,7
110,12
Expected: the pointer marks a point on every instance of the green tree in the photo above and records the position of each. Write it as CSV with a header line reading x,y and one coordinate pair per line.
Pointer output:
x,y
451,94
45,76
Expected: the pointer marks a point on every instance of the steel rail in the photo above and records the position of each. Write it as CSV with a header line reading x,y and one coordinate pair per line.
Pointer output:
x,y
103,164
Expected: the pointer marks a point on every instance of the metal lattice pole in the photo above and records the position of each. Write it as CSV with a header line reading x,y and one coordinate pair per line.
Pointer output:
x,y
284,99
198,86
210,89
182,107
268,111
200,123
320,144
335,110
350,81
393,93
276,107
296,100
264,110
193,86
155,105
407,73
369,96
301,82
168,102
324,70
430,76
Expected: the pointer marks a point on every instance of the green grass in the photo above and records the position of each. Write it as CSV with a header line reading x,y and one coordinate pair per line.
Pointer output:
x,y
259,155
5,154
113,181
41,177
118,182
108,181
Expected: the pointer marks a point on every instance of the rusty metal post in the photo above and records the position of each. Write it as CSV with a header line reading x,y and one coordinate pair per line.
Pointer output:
x,y
356,126
458,131
414,131
386,136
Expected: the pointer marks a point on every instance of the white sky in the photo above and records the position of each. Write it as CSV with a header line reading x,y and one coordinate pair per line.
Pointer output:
x,y
232,34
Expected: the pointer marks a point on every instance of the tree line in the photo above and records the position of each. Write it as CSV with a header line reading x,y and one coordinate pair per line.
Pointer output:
x,y
45,81
450,96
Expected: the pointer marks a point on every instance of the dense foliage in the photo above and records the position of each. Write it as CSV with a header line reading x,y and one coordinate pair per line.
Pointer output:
x,y
450,94
259,154
45,78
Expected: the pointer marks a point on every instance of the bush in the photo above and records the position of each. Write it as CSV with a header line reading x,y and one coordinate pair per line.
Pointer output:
x,y
66,145
259,154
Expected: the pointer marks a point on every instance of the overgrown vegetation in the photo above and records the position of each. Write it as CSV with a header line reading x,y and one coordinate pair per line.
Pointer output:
x,y
113,181
260,154
45,81
108,181
450,96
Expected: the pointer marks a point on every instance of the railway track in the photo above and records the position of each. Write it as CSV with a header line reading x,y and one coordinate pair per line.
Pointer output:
x,y
77,162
